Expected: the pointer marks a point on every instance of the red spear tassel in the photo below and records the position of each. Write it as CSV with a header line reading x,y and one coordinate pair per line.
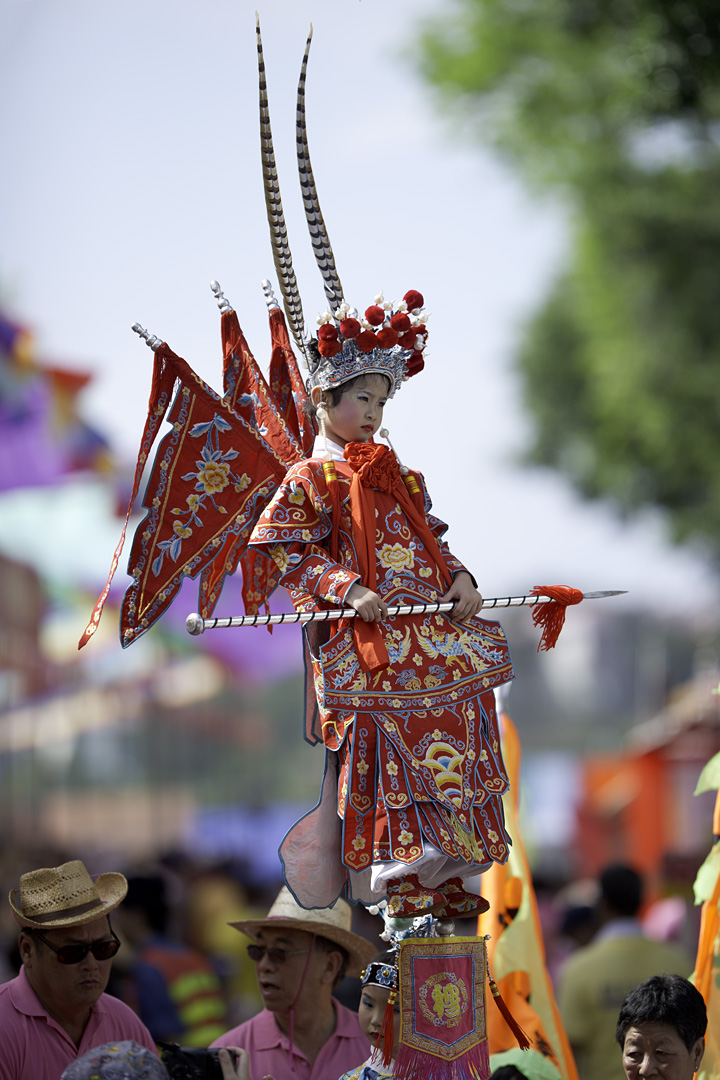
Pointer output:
x,y
552,616
386,1037
522,1040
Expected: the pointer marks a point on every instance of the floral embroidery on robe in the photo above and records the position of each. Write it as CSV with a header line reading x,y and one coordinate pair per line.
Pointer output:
x,y
417,737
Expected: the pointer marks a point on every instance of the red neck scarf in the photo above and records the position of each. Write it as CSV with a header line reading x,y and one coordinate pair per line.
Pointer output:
x,y
374,465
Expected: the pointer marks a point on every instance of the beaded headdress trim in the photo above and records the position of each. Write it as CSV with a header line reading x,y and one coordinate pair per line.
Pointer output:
x,y
385,975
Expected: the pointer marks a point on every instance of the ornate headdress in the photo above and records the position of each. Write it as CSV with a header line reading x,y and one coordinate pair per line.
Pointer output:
x,y
390,338
380,974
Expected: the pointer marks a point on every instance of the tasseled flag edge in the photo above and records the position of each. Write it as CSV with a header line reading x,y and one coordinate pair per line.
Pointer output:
x,y
522,1038
413,1064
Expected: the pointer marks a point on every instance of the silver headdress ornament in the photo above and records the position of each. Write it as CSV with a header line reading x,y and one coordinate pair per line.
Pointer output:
x,y
390,338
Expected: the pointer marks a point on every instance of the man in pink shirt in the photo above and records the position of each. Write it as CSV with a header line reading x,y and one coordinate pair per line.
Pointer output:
x,y
56,1008
303,1033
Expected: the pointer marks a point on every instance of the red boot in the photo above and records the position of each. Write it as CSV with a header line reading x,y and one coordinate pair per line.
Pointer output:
x,y
459,904
407,898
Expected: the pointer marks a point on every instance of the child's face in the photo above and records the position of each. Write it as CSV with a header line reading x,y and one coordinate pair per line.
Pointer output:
x,y
371,1011
358,414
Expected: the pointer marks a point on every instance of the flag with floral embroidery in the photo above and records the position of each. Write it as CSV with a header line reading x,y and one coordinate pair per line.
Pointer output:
x,y
248,394
212,477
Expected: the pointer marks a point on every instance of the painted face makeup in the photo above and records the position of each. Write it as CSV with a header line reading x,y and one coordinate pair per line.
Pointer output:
x,y
358,414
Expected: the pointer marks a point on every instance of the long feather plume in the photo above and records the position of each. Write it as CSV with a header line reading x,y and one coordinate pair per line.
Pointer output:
x,y
318,233
276,217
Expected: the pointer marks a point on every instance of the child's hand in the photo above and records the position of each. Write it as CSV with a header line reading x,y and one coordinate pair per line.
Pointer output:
x,y
468,601
369,606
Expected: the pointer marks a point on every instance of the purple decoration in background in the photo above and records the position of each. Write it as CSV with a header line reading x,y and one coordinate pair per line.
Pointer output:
x,y
252,652
245,833
29,455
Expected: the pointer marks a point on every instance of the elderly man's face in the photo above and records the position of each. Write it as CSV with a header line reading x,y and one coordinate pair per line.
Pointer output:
x,y
656,1050
66,988
280,981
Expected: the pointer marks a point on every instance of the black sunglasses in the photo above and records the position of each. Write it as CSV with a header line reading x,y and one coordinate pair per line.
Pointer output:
x,y
75,954
275,956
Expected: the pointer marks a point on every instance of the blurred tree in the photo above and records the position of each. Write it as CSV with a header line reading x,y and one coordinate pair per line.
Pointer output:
x,y
616,107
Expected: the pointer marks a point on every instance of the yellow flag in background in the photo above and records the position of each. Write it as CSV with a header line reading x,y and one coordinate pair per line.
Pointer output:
x,y
707,964
516,952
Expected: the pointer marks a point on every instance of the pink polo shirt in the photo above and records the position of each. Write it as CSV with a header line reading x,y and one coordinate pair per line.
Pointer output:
x,y
33,1046
268,1048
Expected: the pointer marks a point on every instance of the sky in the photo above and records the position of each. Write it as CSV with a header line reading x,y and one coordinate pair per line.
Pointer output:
x,y
133,179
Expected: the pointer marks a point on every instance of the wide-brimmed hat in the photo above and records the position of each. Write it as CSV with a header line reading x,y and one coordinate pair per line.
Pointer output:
x,y
332,923
65,895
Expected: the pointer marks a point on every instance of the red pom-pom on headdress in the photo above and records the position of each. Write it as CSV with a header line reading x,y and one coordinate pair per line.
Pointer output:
x,y
415,363
328,347
375,315
350,328
387,337
376,338
367,341
414,299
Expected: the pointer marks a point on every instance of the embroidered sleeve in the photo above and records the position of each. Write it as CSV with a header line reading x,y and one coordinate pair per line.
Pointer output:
x,y
438,528
292,532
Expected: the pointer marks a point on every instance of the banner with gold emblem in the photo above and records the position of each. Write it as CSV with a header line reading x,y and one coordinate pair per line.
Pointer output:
x,y
442,1005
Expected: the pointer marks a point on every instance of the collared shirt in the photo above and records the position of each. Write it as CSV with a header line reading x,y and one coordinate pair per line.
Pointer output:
x,y
269,1048
594,983
33,1046
619,928
327,448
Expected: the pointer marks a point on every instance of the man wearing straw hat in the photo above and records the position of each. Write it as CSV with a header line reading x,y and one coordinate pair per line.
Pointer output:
x,y
56,1009
303,1032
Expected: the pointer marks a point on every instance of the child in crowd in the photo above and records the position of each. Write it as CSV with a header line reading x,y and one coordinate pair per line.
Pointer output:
x,y
379,986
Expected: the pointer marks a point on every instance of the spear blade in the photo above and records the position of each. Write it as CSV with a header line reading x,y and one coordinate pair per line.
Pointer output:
x,y
606,592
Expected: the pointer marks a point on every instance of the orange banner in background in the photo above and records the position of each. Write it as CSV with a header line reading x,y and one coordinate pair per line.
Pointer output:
x,y
516,951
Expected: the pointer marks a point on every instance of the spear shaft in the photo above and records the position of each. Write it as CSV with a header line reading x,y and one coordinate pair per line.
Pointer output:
x,y
195,624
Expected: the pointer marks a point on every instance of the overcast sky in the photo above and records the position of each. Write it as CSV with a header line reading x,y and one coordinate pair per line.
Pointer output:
x,y
132,178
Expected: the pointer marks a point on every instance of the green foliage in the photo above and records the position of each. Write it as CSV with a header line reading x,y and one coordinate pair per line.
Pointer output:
x,y
616,105
565,86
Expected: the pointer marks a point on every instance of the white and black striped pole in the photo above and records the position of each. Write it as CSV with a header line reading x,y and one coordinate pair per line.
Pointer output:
x,y
195,624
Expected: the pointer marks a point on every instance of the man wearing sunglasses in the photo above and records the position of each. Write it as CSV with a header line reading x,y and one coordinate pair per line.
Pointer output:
x,y
56,1009
300,955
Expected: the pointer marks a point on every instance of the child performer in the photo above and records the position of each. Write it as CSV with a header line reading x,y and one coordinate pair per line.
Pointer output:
x,y
405,706
379,983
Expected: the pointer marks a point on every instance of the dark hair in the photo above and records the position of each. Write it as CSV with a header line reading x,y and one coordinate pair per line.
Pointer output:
x,y
147,892
664,999
507,1072
387,956
621,889
325,945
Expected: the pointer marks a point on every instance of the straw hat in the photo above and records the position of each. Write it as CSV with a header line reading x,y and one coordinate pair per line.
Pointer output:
x,y
65,896
332,923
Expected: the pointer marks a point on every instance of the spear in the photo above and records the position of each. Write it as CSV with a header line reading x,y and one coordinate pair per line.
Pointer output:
x,y
195,624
